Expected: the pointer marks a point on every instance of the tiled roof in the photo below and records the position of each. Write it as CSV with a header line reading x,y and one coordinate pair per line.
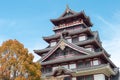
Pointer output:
x,y
71,45
84,69
70,59
68,13
87,19
86,30
78,43
43,50
51,37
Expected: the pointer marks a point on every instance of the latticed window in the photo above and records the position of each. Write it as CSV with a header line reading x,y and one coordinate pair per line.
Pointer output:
x,y
80,78
69,40
82,38
90,77
80,64
67,78
72,66
75,39
87,63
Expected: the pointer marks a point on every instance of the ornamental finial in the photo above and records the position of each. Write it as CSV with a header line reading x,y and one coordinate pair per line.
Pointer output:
x,y
67,8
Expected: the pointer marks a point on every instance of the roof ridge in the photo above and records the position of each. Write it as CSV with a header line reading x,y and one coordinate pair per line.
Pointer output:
x,y
62,44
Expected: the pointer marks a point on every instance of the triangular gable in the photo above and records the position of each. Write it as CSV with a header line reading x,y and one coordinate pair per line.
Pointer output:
x,y
62,44
67,12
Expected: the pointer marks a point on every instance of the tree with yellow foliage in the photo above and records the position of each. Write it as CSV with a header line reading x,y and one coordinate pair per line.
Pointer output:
x,y
16,63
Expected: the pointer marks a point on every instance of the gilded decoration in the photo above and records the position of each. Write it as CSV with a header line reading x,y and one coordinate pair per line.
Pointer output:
x,y
62,45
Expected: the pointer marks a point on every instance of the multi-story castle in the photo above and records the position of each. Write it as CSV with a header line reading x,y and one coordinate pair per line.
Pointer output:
x,y
75,52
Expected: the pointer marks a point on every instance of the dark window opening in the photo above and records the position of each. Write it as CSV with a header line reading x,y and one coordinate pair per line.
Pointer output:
x,y
80,78
75,39
80,64
67,78
89,77
87,63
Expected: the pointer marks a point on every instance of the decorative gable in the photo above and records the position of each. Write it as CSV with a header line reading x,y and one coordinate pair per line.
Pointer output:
x,y
63,45
64,53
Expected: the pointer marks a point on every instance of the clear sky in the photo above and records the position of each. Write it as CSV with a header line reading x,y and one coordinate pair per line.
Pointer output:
x,y
29,20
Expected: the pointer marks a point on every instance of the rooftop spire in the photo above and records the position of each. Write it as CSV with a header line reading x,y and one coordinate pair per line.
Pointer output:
x,y
67,8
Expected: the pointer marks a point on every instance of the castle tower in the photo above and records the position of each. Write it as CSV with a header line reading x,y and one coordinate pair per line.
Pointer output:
x,y
75,51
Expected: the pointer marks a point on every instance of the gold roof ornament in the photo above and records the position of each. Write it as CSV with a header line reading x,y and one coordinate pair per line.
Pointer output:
x,y
62,45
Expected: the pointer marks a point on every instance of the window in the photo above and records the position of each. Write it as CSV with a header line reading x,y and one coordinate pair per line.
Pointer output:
x,y
48,69
82,38
90,49
80,64
95,62
72,66
87,63
80,78
65,66
69,40
90,77
52,43
74,78
75,39
67,78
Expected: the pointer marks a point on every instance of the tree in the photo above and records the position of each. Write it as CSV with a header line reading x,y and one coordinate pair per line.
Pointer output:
x,y
16,63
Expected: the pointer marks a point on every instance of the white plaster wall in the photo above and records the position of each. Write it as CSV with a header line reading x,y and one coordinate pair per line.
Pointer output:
x,y
74,78
99,77
52,43
95,62
72,66
69,40
82,38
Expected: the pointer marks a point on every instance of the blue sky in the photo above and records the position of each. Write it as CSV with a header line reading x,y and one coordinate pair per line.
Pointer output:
x,y
29,20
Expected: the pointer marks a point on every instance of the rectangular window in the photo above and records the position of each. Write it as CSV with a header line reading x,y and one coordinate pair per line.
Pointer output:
x,y
74,78
67,78
72,66
90,49
80,64
82,38
99,77
90,77
80,78
95,62
69,40
87,63
75,39
48,69
52,43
